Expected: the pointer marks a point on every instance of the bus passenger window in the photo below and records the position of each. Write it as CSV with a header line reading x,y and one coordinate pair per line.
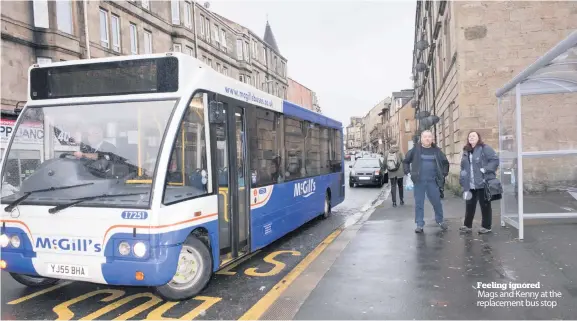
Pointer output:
x,y
187,175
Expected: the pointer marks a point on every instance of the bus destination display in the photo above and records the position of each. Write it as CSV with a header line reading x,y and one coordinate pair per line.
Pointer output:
x,y
157,75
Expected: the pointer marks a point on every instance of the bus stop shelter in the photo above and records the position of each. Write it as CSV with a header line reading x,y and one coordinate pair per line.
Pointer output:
x,y
538,138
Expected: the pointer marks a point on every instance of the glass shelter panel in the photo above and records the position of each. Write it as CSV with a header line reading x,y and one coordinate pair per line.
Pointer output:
x,y
508,155
549,123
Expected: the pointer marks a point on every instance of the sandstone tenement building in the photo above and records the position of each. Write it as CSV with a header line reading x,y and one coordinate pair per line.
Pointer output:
x,y
43,31
465,50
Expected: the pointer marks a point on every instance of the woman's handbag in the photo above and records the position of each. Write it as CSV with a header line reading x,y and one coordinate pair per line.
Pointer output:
x,y
493,187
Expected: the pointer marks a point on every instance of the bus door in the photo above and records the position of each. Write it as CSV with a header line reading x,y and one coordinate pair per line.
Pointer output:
x,y
228,139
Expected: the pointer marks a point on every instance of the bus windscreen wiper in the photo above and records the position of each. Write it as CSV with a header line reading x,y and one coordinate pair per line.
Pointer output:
x,y
89,198
12,205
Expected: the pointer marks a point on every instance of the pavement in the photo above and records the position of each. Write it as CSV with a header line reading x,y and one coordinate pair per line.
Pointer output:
x,y
379,268
238,291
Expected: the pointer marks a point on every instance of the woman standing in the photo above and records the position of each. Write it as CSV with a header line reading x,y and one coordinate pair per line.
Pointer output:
x,y
394,163
478,163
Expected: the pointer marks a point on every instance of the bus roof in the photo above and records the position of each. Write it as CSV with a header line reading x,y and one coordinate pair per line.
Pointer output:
x,y
211,80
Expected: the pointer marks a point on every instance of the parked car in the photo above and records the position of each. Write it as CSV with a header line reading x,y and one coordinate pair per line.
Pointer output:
x,y
368,171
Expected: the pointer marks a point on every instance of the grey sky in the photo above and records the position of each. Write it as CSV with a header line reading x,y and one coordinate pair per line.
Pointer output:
x,y
352,53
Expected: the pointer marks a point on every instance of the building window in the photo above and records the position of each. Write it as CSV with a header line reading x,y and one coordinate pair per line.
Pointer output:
x,y
115,33
64,16
189,51
104,41
223,39
201,27
188,14
448,55
209,62
275,65
249,80
41,14
43,60
207,28
175,8
407,125
147,42
239,49
145,4
246,51
253,49
241,78
133,39
283,69
177,47
225,71
216,35
218,67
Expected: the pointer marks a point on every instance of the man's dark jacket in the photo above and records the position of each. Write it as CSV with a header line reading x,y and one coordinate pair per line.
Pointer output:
x,y
412,164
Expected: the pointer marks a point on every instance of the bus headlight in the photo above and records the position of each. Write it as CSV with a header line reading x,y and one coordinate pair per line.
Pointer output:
x,y
124,248
139,249
15,241
4,240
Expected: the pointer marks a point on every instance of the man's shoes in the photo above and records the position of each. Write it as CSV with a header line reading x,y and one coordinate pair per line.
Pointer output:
x,y
419,230
483,230
402,202
443,226
394,204
465,229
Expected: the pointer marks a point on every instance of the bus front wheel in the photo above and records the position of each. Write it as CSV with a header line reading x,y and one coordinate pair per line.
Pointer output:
x,y
193,271
32,281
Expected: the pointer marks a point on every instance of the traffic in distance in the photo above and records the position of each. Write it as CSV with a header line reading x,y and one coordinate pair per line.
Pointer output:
x,y
156,170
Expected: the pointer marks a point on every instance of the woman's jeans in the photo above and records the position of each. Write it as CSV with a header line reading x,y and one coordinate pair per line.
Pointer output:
x,y
431,189
471,207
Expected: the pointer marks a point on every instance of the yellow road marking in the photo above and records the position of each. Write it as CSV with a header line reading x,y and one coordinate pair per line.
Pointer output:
x,y
257,310
157,313
278,265
64,312
227,270
35,294
154,300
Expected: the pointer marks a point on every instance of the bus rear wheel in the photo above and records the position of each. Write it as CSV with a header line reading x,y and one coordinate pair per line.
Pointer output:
x,y
32,281
193,272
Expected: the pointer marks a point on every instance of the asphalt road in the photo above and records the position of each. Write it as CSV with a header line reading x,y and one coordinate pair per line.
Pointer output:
x,y
232,294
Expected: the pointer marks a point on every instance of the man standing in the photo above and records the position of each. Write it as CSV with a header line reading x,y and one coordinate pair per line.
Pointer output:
x,y
428,167
394,163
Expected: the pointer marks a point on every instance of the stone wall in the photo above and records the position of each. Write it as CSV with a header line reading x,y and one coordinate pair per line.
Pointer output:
x,y
495,41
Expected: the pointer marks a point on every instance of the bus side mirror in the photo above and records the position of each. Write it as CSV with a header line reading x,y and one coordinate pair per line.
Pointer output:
x,y
350,166
216,113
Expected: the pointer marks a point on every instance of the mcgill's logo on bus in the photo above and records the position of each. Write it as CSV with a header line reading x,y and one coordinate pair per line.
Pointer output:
x,y
68,244
305,189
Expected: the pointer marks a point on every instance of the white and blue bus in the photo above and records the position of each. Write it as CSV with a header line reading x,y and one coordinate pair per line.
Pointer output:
x,y
156,170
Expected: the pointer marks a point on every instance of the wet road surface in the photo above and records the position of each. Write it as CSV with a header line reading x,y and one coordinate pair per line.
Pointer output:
x,y
231,293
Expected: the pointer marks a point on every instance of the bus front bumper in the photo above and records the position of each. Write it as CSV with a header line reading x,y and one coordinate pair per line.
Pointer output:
x,y
155,271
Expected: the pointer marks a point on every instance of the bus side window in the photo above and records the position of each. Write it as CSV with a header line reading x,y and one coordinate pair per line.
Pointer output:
x,y
187,175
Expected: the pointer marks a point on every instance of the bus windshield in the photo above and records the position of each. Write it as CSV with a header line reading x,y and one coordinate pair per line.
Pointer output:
x,y
105,148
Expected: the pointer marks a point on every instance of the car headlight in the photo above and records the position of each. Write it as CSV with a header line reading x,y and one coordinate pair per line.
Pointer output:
x,y
4,240
15,241
139,249
124,248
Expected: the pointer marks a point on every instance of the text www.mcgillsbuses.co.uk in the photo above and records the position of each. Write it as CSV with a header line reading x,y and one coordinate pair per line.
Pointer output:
x,y
248,96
